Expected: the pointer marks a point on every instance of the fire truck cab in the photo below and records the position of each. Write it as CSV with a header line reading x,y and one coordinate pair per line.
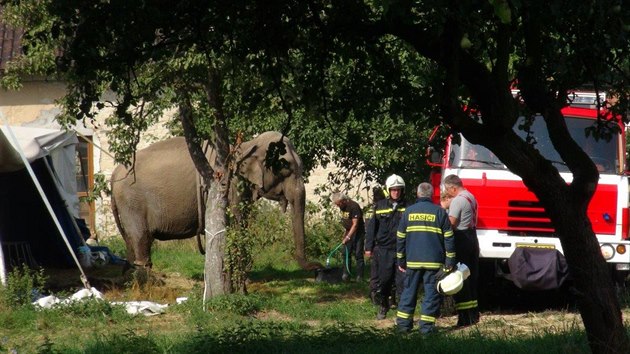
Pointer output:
x,y
510,217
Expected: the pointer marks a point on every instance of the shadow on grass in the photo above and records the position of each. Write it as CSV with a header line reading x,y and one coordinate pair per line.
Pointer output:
x,y
270,280
291,337
270,272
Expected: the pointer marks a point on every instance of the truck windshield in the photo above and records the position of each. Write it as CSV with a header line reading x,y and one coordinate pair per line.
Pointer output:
x,y
602,152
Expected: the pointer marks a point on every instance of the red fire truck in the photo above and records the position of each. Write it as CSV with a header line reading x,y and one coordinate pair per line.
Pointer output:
x,y
510,216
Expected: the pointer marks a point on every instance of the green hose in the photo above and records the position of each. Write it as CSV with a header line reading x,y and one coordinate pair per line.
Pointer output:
x,y
347,256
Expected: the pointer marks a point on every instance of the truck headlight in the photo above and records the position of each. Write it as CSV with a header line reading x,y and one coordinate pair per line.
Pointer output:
x,y
608,251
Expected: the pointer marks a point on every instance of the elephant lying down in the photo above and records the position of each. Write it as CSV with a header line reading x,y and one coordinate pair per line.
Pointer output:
x,y
158,199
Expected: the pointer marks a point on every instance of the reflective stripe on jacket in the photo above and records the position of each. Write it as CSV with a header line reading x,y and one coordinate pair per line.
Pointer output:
x,y
382,227
425,238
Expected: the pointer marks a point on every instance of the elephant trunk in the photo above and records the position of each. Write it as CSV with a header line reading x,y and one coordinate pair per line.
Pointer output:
x,y
298,206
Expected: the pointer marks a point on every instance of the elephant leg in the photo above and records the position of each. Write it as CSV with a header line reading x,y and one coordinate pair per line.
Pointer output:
x,y
143,251
131,257
138,241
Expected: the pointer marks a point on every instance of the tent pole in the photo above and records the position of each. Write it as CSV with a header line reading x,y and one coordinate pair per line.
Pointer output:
x,y
84,279
87,140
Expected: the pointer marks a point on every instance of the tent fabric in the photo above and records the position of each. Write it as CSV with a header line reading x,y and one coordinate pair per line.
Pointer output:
x,y
28,233
34,142
66,172
39,142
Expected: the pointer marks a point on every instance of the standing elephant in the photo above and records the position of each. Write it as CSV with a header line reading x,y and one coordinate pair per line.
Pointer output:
x,y
159,198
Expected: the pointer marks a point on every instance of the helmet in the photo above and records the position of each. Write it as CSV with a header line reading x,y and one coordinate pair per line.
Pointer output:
x,y
394,181
451,284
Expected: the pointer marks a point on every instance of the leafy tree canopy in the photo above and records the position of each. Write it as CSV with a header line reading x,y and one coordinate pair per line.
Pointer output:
x,y
283,67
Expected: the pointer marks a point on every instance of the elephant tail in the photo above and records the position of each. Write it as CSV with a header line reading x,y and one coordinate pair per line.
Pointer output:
x,y
121,229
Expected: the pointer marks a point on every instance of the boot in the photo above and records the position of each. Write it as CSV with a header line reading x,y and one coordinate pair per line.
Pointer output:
x,y
382,313
374,297
466,318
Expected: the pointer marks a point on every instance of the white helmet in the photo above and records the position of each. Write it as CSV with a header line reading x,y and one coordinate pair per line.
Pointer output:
x,y
451,284
394,181
454,282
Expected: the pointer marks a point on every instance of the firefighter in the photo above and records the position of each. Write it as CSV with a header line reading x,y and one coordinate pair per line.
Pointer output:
x,y
425,245
353,237
381,242
462,213
378,194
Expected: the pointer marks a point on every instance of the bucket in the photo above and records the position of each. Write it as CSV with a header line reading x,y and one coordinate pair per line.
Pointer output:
x,y
330,274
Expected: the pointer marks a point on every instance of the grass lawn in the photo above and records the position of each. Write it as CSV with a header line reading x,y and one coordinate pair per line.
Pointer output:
x,y
285,311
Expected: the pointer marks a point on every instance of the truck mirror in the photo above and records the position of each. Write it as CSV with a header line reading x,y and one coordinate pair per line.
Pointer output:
x,y
434,157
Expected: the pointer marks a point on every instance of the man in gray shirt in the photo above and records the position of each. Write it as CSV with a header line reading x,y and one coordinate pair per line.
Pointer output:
x,y
463,216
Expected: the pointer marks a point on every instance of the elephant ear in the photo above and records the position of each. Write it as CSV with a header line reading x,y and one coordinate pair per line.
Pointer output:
x,y
251,168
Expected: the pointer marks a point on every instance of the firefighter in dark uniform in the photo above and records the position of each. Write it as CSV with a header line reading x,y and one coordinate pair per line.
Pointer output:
x,y
462,213
378,194
425,245
380,242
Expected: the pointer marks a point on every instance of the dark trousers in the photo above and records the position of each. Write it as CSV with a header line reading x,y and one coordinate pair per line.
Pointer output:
x,y
354,248
374,271
388,274
467,248
430,309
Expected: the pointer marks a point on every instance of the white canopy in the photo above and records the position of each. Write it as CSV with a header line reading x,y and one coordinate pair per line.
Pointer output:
x,y
40,142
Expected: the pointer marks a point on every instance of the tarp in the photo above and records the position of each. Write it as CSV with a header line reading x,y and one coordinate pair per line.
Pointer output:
x,y
538,268
28,233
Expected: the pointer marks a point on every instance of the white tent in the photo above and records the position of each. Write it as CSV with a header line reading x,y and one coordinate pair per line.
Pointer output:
x,y
38,202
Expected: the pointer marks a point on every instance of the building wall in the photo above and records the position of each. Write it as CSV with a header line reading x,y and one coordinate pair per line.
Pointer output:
x,y
35,104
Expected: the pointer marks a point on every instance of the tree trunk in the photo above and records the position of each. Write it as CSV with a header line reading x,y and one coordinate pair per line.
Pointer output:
x,y
215,175
216,281
596,293
297,218
567,207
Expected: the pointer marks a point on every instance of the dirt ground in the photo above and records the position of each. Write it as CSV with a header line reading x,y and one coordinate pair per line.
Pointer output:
x,y
117,283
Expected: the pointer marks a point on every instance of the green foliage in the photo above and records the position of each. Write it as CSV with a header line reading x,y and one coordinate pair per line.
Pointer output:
x,y
116,245
101,186
368,98
238,256
323,229
129,342
22,285
270,232
243,305
15,318
95,308
269,226
35,19
47,347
